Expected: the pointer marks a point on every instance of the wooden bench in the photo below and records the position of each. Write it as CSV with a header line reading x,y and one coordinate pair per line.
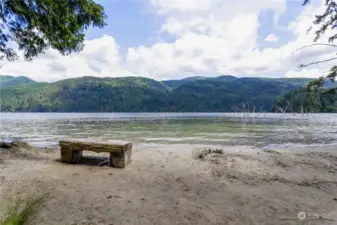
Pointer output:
x,y
120,154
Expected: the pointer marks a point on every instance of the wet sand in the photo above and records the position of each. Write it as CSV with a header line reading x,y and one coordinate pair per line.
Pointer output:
x,y
174,185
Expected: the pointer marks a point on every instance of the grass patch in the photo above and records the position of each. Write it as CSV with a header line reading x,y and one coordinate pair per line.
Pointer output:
x,y
23,211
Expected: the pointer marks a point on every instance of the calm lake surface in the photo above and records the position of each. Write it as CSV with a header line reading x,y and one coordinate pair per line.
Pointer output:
x,y
204,129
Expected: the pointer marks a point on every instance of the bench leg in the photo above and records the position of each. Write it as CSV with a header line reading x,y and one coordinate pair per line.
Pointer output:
x,y
66,155
77,155
69,156
120,159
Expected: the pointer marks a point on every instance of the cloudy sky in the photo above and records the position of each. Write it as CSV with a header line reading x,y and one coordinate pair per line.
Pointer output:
x,y
173,39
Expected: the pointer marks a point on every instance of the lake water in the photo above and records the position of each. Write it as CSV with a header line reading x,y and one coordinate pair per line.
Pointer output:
x,y
266,130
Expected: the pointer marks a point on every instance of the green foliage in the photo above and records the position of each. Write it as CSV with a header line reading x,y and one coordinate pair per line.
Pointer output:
x,y
303,100
23,211
137,94
36,25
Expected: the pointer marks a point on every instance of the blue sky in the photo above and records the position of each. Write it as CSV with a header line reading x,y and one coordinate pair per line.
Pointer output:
x,y
130,22
173,39
134,23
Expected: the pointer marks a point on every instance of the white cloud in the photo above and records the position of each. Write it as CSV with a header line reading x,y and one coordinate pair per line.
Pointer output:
x,y
166,6
220,37
310,73
271,38
100,57
210,37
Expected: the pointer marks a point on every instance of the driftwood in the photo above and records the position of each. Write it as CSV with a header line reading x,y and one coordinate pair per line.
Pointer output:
x,y
120,154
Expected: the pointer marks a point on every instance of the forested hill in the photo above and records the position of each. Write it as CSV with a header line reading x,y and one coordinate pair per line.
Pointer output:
x,y
137,94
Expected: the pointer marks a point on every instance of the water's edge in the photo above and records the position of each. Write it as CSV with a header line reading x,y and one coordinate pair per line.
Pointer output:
x,y
266,130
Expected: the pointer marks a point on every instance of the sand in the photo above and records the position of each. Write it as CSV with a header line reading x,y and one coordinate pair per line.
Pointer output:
x,y
172,185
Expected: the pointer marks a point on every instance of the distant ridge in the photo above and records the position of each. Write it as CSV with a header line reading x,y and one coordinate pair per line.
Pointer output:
x,y
6,81
138,94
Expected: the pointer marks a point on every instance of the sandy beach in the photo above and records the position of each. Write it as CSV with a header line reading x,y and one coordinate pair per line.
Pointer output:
x,y
176,185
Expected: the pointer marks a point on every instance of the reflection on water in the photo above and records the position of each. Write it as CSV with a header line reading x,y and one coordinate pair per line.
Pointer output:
x,y
265,130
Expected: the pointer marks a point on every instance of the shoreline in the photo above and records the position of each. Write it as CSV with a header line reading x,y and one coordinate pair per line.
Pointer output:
x,y
173,185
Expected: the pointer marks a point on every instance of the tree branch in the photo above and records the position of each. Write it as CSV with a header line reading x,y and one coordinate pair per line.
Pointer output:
x,y
316,44
317,62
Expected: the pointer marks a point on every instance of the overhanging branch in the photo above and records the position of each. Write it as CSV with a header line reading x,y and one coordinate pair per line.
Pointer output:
x,y
316,44
317,62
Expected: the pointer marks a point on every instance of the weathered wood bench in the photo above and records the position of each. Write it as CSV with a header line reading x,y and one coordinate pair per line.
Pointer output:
x,y
120,154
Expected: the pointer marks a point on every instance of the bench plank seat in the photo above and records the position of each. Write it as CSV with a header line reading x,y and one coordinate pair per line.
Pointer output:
x,y
120,154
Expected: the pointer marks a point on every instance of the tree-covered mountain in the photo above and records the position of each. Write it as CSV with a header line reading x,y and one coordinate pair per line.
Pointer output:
x,y
228,95
6,81
172,84
303,101
137,94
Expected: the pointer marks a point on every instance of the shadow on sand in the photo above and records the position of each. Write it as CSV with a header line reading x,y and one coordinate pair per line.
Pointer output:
x,y
90,161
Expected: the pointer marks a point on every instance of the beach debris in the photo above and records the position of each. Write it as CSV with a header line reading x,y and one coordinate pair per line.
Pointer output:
x,y
272,151
16,149
14,145
5,144
210,151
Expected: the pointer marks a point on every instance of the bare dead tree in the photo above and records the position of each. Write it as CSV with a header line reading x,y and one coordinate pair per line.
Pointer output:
x,y
286,108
